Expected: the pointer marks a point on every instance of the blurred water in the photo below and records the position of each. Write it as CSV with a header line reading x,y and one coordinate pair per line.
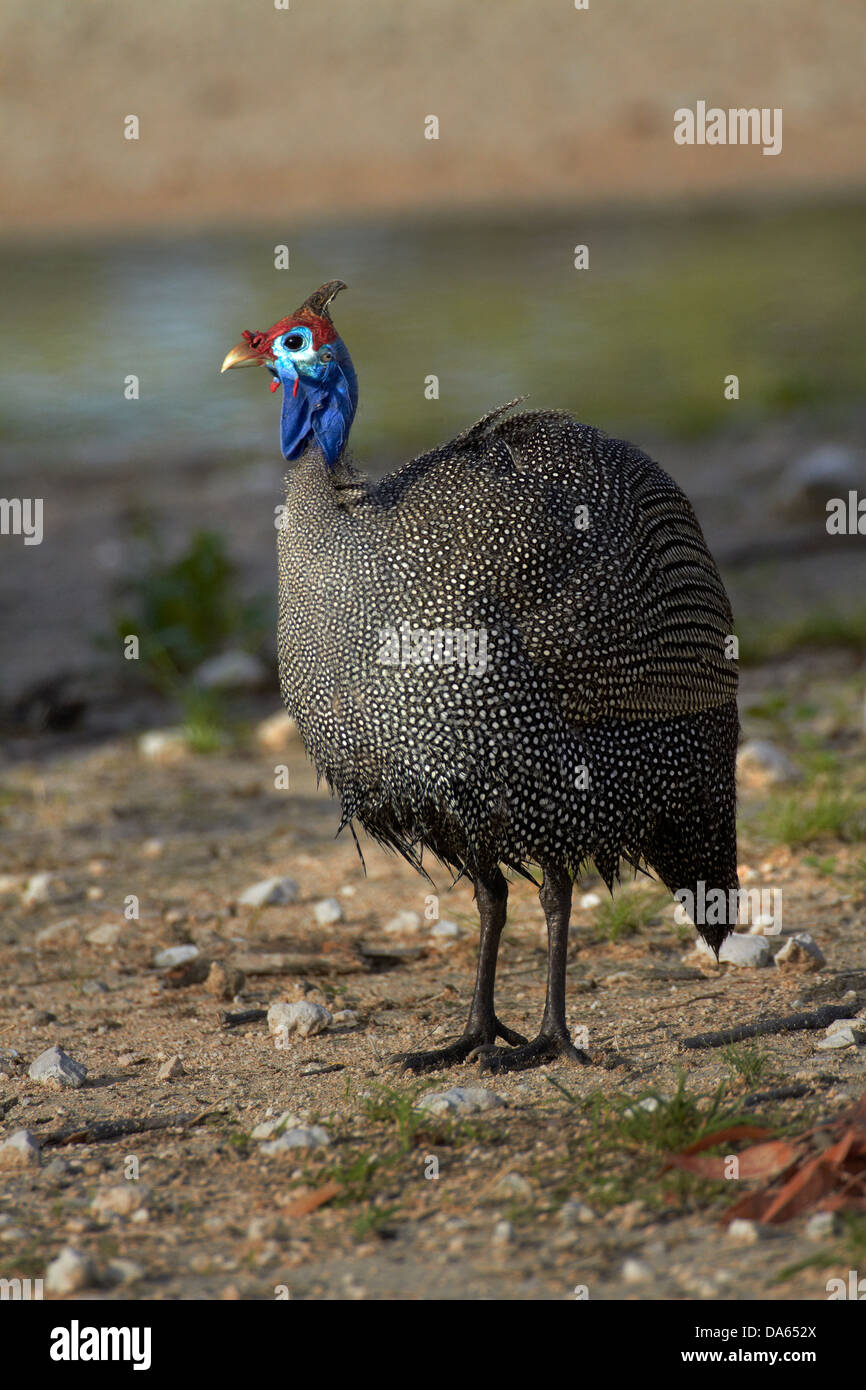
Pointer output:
x,y
639,343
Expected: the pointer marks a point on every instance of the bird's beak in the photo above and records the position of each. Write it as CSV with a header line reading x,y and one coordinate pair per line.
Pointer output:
x,y
241,355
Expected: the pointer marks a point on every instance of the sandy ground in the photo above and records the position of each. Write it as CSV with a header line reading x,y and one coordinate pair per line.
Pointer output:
x,y
211,1215
248,113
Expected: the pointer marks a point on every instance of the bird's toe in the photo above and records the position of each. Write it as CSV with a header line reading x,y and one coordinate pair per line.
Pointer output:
x,y
543,1049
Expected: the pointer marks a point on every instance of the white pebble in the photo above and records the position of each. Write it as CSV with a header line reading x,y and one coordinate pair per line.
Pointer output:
x,y
649,1103
124,1271
636,1272
328,911
304,1137
404,922
821,1226
270,892
445,930
576,1213
231,670
460,1100
266,1129
276,732
54,1067
741,949
163,745
742,1232
303,1018
70,1271
514,1185
762,756
800,952
174,955
106,934
171,1069
59,934
20,1150
844,1036
38,889
121,1200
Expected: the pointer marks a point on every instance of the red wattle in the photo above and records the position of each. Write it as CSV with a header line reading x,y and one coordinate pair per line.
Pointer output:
x,y
295,387
275,385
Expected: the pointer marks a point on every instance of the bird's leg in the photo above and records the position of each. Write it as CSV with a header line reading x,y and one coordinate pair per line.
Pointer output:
x,y
482,1025
553,1039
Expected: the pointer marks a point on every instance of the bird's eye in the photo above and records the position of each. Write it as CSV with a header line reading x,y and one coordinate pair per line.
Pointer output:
x,y
293,342
326,357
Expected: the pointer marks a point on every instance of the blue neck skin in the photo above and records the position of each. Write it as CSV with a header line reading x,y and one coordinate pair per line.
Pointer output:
x,y
320,397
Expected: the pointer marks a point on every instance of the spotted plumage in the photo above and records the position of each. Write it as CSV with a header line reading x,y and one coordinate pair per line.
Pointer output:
x,y
514,651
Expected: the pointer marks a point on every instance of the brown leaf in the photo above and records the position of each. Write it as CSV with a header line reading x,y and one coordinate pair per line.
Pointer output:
x,y
759,1161
833,1180
727,1136
805,1189
310,1201
752,1207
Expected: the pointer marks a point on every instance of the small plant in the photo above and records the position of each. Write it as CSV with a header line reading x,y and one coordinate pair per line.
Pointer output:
x,y
674,1121
204,722
826,867
799,820
747,1064
398,1109
618,1152
356,1177
187,609
373,1221
627,913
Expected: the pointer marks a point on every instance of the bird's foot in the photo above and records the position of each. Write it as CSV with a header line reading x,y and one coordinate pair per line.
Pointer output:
x,y
475,1042
547,1047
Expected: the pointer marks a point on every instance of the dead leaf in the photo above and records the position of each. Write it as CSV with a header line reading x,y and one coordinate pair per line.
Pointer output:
x,y
310,1201
760,1161
727,1136
832,1179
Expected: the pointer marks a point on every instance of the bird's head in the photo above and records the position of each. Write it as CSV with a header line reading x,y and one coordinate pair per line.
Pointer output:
x,y
307,357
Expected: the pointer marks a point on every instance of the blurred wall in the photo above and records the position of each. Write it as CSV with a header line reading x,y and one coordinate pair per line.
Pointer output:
x,y
248,112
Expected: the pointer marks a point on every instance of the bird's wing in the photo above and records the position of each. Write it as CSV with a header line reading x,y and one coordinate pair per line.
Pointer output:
x,y
586,549
628,615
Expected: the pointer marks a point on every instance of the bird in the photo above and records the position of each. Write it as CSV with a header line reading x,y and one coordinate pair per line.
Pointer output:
x,y
513,654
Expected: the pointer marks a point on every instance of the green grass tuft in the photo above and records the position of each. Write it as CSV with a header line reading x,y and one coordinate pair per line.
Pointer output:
x,y
747,1063
797,820
627,913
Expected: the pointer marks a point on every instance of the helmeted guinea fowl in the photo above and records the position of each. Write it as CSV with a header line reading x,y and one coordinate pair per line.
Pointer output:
x,y
510,652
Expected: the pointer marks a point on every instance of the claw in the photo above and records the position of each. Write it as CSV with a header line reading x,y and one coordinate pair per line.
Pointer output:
x,y
476,1044
540,1051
